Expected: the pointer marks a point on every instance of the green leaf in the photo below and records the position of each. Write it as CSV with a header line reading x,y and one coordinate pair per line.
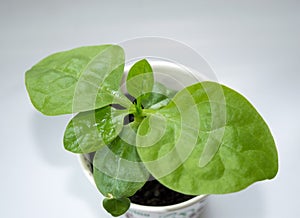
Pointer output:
x,y
77,80
116,207
118,171
89,131
158,97
140,79
209,139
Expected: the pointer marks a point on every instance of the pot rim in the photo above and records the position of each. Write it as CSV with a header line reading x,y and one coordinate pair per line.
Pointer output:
x,y
169,207
86,169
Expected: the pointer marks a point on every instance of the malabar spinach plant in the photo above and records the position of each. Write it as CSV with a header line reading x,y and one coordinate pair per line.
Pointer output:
x,y
203,139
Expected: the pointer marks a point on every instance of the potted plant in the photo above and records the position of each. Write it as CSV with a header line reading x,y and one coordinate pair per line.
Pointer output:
x,y
202,139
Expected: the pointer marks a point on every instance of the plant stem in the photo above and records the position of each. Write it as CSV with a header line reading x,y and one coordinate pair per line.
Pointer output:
x,y
138,106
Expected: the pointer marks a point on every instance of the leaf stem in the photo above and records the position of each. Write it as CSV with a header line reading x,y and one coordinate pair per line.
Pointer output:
x,y
147,112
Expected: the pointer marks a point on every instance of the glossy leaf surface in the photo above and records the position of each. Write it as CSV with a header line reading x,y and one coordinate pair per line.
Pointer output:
x,y
80,79
209,139
91,130
118,171
116,207
140,79
158,97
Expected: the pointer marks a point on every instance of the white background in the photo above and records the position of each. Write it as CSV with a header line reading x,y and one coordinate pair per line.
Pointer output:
x,y
253,47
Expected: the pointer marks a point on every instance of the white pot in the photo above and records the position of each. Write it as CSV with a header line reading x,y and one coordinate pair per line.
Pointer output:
x,y
191,208
176,77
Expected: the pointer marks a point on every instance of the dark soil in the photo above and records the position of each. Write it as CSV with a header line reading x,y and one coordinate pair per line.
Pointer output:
x,y
155,194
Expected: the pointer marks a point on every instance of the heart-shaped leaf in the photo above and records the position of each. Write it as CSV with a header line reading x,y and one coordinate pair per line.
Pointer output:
x,y
208,139
77,80
116,206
